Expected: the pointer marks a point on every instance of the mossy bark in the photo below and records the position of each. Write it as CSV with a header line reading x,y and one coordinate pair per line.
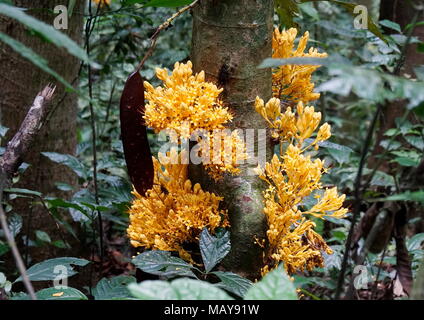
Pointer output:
x,y
230,39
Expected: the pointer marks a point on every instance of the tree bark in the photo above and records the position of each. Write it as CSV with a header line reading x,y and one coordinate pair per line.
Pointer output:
x,y
21,80
230,39
401,13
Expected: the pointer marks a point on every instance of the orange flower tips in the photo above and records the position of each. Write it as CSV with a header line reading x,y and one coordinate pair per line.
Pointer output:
x,y
185,103
293,82
173,211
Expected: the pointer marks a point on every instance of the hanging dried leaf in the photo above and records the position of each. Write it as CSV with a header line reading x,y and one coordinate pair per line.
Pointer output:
x,y
134,135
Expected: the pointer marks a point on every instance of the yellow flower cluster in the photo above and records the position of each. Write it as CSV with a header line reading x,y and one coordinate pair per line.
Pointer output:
x,y
291,177
289,127
173,211
293,82
222,152
188,105
185,100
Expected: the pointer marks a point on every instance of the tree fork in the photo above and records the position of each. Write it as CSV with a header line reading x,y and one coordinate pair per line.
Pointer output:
x,y
230,39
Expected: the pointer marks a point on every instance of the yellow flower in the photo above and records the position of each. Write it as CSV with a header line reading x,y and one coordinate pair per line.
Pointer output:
x,y
173,211
293,82
102,2
291,177
184,100
288,125
222,152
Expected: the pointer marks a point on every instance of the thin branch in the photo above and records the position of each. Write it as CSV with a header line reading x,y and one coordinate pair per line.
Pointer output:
x,y
13,158
20,143
163,26
89,27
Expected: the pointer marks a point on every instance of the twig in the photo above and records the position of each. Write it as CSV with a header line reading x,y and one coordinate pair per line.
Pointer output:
x,y
20,143
89,27
358,201
13,158
163,26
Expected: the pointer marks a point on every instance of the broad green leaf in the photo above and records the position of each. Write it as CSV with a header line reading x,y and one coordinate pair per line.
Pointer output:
x,y
58,38
42,236
276,285
2,279
113,289
180,289
274,63
30,55
69,161
24,191
407,162
414,243
392,25
168,3
233,282
153,290
67,293
417,196
46,270
415,141
214,248
162,263
60,203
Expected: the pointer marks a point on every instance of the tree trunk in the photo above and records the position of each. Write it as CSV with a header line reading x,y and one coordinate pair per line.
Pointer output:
x,y
230,39
21,81
401,13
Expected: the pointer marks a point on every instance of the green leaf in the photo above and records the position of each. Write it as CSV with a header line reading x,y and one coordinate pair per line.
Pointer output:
x,y
153,290
392,25
24,191
3,131
71,6
2,279
407,162
15,224
276,285
233,283
167,3
416,196
214,249
69,161
303,61
162,263
46,270
58,38
179,289
42,236
67,293
113,289
350,7
287,10
414,243
30,55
